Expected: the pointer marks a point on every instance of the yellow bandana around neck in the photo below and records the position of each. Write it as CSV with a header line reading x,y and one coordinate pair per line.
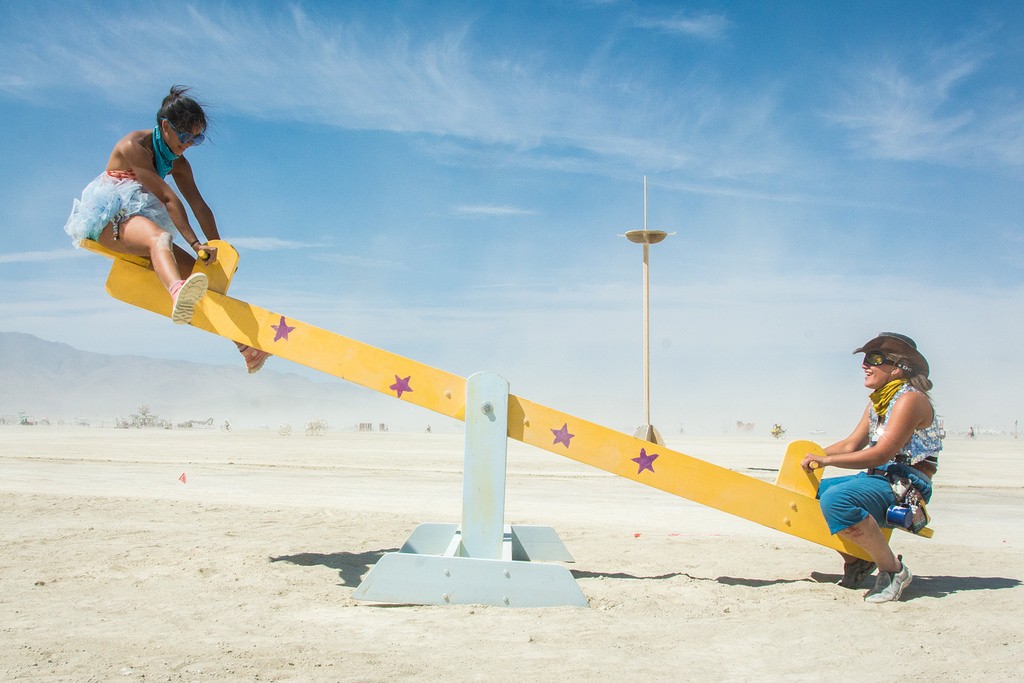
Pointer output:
x,y
881,398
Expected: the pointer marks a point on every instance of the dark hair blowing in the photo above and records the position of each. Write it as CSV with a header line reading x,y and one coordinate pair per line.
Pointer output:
x,y
182,111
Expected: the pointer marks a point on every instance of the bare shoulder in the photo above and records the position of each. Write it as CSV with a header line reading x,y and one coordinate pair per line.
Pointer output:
x,y
917,406
131,150
137,138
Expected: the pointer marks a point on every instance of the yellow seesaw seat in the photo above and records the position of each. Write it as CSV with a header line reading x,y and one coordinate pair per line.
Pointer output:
x,y
219,273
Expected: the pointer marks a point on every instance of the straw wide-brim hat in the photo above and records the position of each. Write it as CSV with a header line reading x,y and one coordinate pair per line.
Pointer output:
x,y
899,345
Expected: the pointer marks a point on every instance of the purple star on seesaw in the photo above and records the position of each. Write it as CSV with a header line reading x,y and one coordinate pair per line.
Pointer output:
x,y
281,330
645,461
562,435
401,385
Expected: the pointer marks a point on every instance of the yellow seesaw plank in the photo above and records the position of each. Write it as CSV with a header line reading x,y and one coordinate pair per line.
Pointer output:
x,y
788,505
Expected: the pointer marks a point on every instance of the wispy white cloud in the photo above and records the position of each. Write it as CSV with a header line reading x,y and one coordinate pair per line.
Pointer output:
x,y
488,210
701,26
38,256
936,110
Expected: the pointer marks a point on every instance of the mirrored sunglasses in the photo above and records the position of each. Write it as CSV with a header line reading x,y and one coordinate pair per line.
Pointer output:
x,y
187,138
875,359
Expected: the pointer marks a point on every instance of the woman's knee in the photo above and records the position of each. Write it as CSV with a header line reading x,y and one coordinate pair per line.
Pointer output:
x,y
154,239
163,241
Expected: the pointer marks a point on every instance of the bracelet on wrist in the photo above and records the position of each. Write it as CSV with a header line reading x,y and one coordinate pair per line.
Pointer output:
x,y
195,242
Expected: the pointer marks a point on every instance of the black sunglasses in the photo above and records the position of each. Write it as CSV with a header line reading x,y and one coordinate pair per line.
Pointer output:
x,y
875,359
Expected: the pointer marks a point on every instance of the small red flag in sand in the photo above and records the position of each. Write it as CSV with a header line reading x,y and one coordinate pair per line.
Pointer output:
x,y
182,478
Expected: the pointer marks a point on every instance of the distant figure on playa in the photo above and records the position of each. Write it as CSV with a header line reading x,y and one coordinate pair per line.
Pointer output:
x,y
131,209
898,441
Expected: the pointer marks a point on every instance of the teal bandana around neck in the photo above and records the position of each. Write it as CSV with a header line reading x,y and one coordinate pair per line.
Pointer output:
x,y
163,157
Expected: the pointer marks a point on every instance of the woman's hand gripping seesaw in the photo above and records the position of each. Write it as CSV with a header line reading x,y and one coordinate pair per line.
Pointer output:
x,y
812,462
206,253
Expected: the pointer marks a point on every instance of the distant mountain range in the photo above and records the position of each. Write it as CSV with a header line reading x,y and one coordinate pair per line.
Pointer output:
x,y
47,380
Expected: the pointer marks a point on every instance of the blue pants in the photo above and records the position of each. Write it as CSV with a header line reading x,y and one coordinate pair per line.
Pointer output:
x,y
848,500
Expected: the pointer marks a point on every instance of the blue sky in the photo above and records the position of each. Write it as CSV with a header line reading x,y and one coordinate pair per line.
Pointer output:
x,y
451,180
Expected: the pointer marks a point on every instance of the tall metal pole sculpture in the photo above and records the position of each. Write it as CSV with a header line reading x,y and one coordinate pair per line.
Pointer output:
x,y
646,237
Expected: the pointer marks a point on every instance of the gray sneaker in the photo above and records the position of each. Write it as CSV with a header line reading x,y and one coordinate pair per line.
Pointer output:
x,y
889,586
855,572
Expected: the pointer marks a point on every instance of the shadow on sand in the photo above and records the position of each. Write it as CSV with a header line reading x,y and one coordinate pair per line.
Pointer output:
x,y
352,567
579,574
920,587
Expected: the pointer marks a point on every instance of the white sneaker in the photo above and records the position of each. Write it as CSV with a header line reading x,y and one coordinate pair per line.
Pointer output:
x,y
889,586
192,290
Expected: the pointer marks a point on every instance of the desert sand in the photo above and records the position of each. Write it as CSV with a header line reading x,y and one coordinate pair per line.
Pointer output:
x,y
116,567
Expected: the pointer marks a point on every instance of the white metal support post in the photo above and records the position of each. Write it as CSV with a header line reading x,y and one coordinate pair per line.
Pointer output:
x,y
482,561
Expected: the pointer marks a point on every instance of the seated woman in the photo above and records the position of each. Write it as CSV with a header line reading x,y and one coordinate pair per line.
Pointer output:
x,y
897,439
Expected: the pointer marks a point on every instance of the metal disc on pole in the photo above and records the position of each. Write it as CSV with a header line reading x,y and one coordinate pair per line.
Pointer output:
x,y
646,236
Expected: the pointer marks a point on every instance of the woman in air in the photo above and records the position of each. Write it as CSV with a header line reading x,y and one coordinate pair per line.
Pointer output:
x,y
130,207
